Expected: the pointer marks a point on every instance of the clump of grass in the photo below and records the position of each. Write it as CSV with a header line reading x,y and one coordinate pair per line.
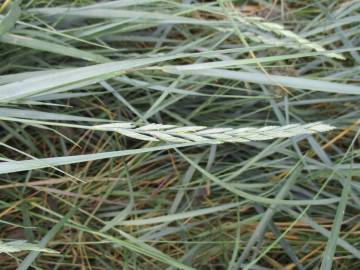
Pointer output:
x,y
156,134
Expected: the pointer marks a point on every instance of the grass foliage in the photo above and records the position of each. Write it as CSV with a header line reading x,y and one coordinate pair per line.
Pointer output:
x,y
179,134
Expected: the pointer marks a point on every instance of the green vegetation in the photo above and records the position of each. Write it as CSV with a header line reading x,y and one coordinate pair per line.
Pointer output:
x,y
179,134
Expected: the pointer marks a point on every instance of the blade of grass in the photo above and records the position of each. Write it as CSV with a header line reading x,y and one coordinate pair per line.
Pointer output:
x,y
328,256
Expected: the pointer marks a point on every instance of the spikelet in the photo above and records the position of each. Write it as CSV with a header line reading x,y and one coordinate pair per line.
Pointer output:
x,y
21,245
201,134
